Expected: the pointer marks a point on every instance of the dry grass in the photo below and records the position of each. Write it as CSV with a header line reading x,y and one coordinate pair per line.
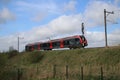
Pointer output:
x,y
91,60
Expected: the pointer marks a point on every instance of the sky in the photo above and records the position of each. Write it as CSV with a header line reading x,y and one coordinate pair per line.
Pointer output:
x,y
41,20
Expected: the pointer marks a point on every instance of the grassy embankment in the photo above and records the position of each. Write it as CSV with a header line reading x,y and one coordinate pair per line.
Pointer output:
x,y
37,65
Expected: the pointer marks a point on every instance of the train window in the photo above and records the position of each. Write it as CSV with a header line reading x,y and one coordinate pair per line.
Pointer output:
x,y
29,48
66,42
35,46
77,40
45,45
72,41
56,44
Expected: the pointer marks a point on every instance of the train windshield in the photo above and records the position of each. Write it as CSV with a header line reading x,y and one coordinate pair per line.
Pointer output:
x,y
83,38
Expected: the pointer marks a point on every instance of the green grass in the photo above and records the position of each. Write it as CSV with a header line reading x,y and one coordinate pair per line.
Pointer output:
x,y
35,66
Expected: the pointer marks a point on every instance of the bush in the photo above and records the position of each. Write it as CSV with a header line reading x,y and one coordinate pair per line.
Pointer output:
x,y
3,60
35,57
9,74
12,53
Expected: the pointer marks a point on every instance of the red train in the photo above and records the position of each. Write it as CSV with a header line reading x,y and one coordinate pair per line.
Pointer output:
x,y
72,42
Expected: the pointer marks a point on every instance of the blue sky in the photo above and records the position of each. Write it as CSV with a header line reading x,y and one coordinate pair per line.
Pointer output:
x,y
35,20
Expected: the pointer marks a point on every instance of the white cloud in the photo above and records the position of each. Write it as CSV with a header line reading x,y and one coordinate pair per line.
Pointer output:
x,y
94,13
40,10
66,24
37,11
50,6
117,2
114,37
36,7
39,17
70,6
6,15
97,39
59,26
7,41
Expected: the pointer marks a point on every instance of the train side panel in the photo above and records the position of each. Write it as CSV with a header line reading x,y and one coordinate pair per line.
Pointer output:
x,y
69,42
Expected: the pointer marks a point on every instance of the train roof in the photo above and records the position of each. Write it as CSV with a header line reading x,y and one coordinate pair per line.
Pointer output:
x,y
33,43
76,36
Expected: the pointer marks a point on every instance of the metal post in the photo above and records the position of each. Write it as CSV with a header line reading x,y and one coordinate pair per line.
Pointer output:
x,y
81,73
18,44
105,24
18,74
66,72
54,71
101,73
105,28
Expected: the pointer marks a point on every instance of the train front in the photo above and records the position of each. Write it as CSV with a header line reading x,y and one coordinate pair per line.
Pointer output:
x,y
84,41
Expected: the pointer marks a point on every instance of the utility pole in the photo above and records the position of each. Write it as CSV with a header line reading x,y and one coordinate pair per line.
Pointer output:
x,y
105,24
19,41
